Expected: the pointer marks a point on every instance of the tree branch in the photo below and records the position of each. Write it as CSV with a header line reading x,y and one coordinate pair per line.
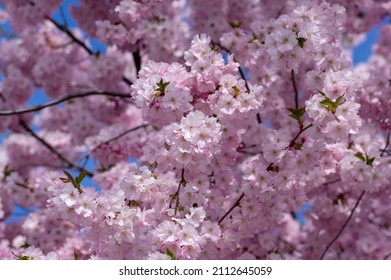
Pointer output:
x,y
387,143
297,135
343,226
295,89
54,151
236,204
61,100
182,182
387,256
79,42
64,29
137,61
118,136
241,72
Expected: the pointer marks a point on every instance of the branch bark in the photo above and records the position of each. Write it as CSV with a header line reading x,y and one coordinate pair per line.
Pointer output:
x,y
182,182
119,136
62,100
387,143
54,151
236,204
79,42
343,227
295,89
297,135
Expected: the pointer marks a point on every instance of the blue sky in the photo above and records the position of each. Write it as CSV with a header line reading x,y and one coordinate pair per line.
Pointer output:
x,y
360,54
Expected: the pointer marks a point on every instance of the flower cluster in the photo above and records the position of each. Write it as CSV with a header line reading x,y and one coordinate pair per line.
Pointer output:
x,y
308,33
163,90
334,109
202,126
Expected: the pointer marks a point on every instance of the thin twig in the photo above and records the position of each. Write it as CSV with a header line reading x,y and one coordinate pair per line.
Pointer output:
x,y
297,135
122,134
2,97
241,151
137,60
387,143
182,182
343,226
387,256
332,182
64,29
295,89
53,150
241,72
236,204
63,99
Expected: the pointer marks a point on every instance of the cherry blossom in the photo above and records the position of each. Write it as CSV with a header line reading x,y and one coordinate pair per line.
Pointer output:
x,y
197,132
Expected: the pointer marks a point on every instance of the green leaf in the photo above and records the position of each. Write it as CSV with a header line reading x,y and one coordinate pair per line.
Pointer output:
x,y
370,161
327,101
328,104
360,156
76,255
296,113
255,37
133,203
161,86
159,19
6,172
70,179
21,257
171,254
236,90
167,146
331,105
81,176
301,41
322,93
215,48
235,24
338,100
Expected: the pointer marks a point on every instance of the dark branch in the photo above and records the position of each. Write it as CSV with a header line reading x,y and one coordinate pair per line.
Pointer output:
x,y
127,81
295,89
387,143
332,182
343,226
53,150
236,204
61,100
241,72
87,157
137,61
297,135
182,182
387,256
119,136
64,29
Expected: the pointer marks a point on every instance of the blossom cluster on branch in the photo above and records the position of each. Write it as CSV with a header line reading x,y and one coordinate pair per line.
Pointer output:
x,y
204,126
